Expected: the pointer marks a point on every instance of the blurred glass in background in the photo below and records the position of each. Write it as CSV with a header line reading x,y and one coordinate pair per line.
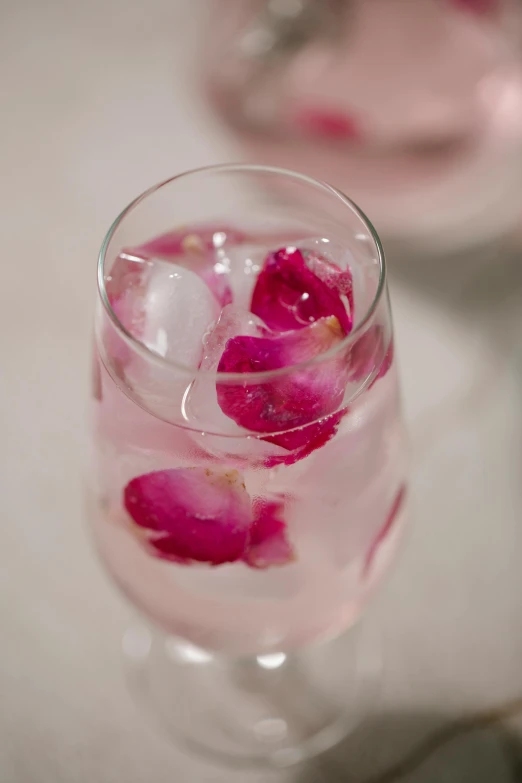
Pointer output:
x,y
412,107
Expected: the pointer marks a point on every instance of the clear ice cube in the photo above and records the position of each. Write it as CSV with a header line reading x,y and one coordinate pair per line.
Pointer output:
x,y
178,310
169,309
220,435
201,406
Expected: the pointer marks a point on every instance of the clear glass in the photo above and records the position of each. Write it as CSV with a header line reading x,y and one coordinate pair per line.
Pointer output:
x,y
415,109
250,657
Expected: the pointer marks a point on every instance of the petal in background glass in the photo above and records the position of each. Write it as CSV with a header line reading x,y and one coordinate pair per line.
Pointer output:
x,y
414,132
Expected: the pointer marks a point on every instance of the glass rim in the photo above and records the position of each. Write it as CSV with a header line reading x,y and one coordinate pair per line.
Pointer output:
x,y
236,377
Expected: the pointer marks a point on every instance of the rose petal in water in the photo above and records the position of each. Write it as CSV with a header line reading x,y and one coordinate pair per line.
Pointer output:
x,y
288,295
302,442
385,529
192,514
296,397
269,545
339,280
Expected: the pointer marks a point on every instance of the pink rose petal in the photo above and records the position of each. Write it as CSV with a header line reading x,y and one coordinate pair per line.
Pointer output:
x,y
293,399
328,124
304,441
339,280
385,529
268,545
288,295
192,514
369,352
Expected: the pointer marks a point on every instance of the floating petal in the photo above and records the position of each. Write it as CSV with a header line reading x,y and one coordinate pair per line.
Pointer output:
x,y
192,514
269,545
288,295
296,397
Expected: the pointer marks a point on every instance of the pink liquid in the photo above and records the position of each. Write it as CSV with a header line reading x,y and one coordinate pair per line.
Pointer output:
x,y
344,522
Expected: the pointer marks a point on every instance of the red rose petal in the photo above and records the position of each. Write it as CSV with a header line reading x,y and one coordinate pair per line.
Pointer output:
x,y
288,295
297,397
304,441
268,545
328,124
385,529
192,514
340,280
166,549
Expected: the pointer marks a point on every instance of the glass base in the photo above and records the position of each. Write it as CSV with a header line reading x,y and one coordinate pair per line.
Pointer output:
x,y
271,710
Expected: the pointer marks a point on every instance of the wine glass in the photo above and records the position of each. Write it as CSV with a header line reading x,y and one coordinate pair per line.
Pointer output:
x,y
248,491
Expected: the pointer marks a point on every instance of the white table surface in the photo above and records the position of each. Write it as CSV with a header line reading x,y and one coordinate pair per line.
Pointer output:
x,y
94,108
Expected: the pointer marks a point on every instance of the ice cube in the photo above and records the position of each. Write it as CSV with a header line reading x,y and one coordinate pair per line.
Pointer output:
x,y
178,309
232,322
168,309
201,406
218,434
202,249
